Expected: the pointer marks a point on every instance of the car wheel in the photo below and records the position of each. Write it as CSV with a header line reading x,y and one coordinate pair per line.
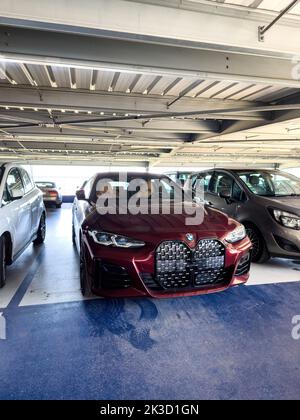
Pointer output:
x,y
58,206
85,285
259,252
2,262
41,234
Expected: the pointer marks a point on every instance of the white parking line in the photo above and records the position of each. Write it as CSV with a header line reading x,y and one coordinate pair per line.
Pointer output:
x,y
274,272
57,280
49,286
16,275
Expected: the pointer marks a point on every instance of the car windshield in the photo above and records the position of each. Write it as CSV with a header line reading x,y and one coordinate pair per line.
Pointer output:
x,y
144,187
45,184
271,184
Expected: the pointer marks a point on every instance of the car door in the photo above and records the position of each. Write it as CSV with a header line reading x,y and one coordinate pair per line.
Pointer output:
x,y
79,211
19,209
34,199
223,182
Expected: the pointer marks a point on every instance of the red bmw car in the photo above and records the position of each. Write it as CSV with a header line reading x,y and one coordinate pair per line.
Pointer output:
x,y
150,253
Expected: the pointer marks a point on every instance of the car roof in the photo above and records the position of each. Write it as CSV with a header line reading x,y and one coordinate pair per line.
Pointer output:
x,y
129,174
235,170
12,163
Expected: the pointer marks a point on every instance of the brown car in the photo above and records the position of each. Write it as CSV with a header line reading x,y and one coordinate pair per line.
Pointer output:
x,y
267,202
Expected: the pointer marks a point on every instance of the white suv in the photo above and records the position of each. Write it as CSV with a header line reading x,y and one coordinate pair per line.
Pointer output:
x,y
22,214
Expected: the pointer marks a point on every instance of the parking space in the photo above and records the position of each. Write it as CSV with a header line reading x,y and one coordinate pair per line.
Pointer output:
x,y
51,273
70,348
157,302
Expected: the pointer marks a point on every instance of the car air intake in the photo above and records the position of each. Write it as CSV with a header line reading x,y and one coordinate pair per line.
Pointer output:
x,y
177,266
244,266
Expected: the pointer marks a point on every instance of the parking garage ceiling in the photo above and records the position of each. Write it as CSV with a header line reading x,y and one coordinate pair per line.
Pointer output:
x,y
68,96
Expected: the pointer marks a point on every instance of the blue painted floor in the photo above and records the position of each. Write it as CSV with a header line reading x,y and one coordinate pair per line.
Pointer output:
x,y
233,345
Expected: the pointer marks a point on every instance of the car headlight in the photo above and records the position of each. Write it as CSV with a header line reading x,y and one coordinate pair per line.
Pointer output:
x,y
236,235
113,240
289,220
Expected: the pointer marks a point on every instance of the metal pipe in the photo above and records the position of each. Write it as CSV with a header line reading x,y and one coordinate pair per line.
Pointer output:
x,y
264,29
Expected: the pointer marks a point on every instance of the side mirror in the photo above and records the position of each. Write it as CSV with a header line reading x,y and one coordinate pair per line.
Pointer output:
x,y
225,194
80,195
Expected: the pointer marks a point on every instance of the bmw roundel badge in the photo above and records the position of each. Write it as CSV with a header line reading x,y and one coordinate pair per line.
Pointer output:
x,y
190,237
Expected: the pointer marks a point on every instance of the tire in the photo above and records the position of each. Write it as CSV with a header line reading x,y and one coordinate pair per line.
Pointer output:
x,y
58,206
260,252
2,262
41,234
85,285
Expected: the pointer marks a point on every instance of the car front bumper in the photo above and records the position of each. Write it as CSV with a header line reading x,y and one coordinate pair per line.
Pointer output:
x,y
130,273
280,241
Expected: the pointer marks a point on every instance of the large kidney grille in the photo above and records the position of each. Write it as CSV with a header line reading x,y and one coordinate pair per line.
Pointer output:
x,y
178,266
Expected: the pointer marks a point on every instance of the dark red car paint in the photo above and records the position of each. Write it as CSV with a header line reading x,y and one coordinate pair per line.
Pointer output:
x,y
154,229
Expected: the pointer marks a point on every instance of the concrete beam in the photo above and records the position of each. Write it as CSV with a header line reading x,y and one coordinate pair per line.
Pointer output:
x,y
189,23
42,47
57,99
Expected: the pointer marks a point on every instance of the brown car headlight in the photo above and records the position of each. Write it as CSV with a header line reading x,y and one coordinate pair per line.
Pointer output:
x,y
288,220
116,241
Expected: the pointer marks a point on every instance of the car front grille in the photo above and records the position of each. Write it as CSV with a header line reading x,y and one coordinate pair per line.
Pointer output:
x,y
179,267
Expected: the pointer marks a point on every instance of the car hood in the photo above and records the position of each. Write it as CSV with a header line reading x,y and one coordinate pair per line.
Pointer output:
x,y
151,227
289,204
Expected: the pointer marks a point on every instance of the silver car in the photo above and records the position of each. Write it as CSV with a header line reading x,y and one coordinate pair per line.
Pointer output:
x,y
22,214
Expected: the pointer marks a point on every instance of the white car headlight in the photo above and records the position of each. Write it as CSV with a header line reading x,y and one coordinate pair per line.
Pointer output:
x,y
236,235
289,220
113,240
